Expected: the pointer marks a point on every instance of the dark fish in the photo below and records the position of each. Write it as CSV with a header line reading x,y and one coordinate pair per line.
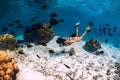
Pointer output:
x,y
110,34
91,23
114,30
16,27
53,15
4,29
38,56
107,24
118,34
109,29
61,20
36,17
104,31
51,51
100,29
13,32
113,41
95,32
100,34
21,52
10,24
53,22
118,41
44,7
32,19
27,27
20,41
67,66
16,21
21,26
106,40
29,45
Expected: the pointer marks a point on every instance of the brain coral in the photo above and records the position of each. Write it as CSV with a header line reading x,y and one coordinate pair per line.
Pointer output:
x,y
8,67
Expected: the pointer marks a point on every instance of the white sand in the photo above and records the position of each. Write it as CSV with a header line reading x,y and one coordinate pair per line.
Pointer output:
x,y
60,66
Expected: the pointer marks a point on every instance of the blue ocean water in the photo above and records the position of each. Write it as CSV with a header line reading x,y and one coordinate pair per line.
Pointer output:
x,y
104,14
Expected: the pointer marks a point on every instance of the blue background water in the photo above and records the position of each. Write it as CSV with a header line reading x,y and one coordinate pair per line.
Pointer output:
x,y
100,12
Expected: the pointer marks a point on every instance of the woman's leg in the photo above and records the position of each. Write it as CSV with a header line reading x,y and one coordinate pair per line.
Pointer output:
x,y
76,29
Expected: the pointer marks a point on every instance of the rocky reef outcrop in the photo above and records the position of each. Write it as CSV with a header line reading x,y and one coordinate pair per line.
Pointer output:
x,y
7,41
39,33
92,45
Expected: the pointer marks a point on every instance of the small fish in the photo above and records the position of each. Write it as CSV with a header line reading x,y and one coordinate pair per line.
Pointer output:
x,y
107,24
53,15
21,26
91,23
4,29
16,21
44,7
61,20
118,34
100,29
104,31
110,34
106,40
32,19
114,30
38,56
10,24
13,32
67,66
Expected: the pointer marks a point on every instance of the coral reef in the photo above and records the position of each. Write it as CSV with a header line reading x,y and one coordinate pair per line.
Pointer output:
x,y
39,34
8,67
7,41
92,45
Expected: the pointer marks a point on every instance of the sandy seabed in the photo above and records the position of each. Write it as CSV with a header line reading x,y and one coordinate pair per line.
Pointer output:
x,y
37,63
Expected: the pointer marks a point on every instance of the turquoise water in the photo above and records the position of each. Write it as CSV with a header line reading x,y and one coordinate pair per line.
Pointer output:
x,y
100,12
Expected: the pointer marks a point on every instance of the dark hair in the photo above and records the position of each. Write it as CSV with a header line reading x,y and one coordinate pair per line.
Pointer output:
x,y
73,35
60,41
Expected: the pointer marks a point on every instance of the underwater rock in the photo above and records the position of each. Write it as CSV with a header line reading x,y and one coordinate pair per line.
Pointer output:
x,y
39,34
44,34
8,67
7,41
92,45
36,26
28,35
72,52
